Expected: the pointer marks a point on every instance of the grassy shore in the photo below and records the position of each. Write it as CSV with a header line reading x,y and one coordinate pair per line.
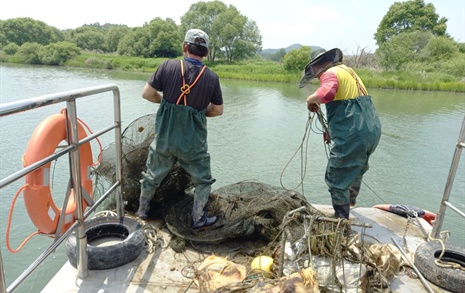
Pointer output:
x,y
268,71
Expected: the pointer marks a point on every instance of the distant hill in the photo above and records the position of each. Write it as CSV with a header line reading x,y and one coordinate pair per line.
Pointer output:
x,y
290,48
266,53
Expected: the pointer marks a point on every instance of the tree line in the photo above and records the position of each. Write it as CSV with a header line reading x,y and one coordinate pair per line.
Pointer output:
x,y
233,36
410,36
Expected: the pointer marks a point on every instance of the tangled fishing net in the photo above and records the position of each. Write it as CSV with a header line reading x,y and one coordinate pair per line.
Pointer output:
x,y
245,209
135,140
253,218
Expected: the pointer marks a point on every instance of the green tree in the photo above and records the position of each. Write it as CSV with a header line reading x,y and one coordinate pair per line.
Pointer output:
x,y
10,49
231,34
279,55
89,38
27,30
166,38
3,39
461,47
113,36
29,53
58,53
201,15
439,48
403,48
236,34
296,60
135,43
409,16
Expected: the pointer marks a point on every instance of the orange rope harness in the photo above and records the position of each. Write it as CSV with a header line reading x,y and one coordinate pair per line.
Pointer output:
x,y
186,88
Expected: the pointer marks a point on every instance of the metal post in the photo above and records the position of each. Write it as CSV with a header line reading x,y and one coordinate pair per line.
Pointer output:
x,y
81,239
450,180
412,265
2,275
119,153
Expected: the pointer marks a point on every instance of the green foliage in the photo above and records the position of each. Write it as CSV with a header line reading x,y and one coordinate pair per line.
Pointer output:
x,y
165,37
201,15
414,48
402,48
296,60
278,56
165,45
237,35
409,16
440,48
28,53
135,43
3,39
257,70
451,69
113,36
461,47
94,62
89,38
419,48
27,30
232,35
414,78
454,67
58,53
112,61
4,57
10,49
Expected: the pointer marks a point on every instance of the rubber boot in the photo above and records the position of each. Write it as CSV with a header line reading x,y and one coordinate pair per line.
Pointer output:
x,y
144,207
204,223
342,211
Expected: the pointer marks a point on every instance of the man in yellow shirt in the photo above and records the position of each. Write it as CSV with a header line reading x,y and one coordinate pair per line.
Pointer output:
x,y
353,125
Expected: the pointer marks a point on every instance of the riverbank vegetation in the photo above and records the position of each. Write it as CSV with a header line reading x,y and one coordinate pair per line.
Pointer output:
x,y
414,53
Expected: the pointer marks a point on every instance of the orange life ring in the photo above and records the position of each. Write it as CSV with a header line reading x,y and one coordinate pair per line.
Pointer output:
x,y
37,195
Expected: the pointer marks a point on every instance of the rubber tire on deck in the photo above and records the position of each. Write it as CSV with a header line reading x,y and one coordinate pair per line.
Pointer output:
x,y
447,278
114,255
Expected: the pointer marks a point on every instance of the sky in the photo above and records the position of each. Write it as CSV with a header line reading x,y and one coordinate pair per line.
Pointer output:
x,y
347,24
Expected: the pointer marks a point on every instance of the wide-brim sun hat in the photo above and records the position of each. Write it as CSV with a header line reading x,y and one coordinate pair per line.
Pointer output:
x,y
318,57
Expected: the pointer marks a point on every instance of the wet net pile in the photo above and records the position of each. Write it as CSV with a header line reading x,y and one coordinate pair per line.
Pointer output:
x,y
251,210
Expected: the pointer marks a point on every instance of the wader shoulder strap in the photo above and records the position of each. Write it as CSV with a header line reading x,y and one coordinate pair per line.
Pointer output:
x,y
361,90
186,88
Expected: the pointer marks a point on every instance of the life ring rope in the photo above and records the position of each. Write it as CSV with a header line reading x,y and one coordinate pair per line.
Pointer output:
x,y
10,219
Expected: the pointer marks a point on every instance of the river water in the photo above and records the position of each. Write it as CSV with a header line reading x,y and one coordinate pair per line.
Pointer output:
x,y
261,136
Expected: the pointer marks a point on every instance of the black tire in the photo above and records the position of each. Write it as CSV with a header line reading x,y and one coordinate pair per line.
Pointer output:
x,y
447,278
128,230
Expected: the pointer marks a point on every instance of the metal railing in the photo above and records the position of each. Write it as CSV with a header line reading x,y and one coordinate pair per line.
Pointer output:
x,y
68,97
437,226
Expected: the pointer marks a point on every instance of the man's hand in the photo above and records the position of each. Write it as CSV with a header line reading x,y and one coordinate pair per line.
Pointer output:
x,y
313,107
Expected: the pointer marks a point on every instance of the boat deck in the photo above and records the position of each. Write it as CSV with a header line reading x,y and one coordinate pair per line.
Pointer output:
x,y
164,270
